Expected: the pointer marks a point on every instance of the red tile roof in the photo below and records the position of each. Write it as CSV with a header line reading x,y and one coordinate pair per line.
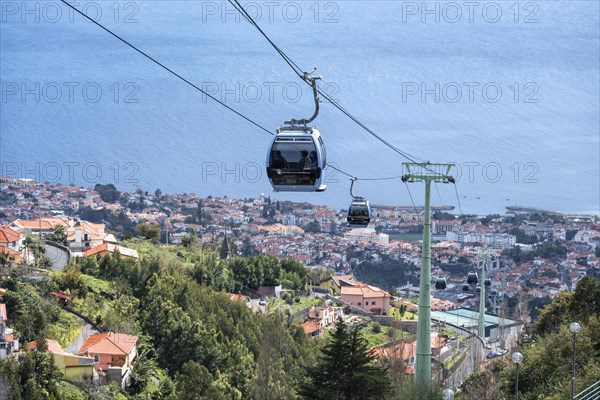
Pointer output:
x,y
109,343
367,291
348,279
111,248
96,250
62,295
311,326
53,346
237,297
8,235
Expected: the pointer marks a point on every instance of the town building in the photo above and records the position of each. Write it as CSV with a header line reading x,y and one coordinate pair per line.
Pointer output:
x,y
368,298
335,283
74,368
9,342
367,235
113,354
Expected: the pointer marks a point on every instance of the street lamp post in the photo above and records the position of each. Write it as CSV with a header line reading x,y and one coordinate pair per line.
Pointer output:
x,y
448,394
517,359
574,327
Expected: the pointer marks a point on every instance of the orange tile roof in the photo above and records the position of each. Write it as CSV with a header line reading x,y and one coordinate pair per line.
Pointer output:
x,y
8,235
46,223
402,350
367,291
111,248
109,343
96,250
237,297
311,326
53,346
347,278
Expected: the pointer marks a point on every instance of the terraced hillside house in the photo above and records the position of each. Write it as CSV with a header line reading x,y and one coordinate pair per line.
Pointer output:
x,y
368,298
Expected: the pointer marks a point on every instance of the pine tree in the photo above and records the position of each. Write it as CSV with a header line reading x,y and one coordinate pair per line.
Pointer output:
x,y
225,251
346,370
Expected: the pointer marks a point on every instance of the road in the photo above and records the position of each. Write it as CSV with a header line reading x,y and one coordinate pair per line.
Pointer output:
x,y
253,304
565,275
58,256
86,331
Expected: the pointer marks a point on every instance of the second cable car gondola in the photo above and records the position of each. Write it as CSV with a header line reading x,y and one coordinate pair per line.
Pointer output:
x,y
440,283
487,282
296,158
472,278
359,212
466,287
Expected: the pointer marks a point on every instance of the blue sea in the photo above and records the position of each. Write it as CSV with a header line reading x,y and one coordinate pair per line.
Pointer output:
x,y
507,90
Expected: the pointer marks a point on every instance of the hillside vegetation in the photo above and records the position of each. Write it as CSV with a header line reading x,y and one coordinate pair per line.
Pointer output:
x,y
195,343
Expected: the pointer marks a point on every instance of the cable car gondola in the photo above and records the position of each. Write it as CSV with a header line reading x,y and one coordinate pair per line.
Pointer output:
x,y
359,212
472,278
296,158
466,287
487,282
440,283
478,289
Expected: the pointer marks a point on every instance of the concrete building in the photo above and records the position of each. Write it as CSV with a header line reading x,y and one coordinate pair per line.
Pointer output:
x,y
367,235
368,298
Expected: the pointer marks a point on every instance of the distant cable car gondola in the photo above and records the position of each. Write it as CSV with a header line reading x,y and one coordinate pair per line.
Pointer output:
x,y
296,158
472,278
487,282
440,283
466,287
359,212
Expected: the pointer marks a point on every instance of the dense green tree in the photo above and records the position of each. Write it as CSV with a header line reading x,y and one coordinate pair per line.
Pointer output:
x,y
28,312
148,380
59,236
247,248
149,231
193,381
546,368
71,280
346,370
294,273
483,385
570,306
226,250
312,227
271,380
88,265
108,192
586,299
3,259
190,239
442,216
32,376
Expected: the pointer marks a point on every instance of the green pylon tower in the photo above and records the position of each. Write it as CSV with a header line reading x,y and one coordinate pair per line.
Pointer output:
x,y
482,298
425,172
